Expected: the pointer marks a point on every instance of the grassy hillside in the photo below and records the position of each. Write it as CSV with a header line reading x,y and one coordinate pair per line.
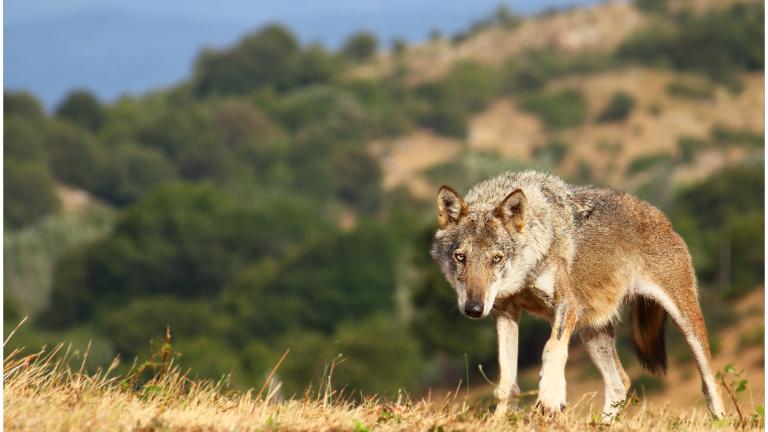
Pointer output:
x,y
42,393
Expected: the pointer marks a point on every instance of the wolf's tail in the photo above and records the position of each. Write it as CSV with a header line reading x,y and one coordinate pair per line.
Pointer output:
x,y
648,318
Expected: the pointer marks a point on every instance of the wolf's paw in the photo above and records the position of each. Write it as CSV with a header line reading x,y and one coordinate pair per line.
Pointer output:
x,y
505,392
505,396
551,394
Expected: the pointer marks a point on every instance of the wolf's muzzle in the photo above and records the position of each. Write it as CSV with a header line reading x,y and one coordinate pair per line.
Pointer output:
x,y
473,309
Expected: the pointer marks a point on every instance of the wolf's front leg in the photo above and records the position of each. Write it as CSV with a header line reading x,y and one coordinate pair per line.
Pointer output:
x,y
552,383
507,334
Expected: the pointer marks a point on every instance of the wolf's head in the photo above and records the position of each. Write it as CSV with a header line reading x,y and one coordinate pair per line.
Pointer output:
x,y
477,250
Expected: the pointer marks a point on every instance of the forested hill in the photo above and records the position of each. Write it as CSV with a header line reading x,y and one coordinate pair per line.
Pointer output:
x,y
282,196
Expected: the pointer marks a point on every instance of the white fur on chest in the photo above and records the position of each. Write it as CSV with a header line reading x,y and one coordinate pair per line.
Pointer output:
x,y
545,283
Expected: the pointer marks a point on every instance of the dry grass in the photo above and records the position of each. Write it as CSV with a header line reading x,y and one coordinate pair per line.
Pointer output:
x,y
43,392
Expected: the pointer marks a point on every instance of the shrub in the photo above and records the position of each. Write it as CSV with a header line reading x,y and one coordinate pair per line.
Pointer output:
x,y
618,108
24,139
559,110
718,43
22,104
83,109
268,58
687,148
29,194
360,46
645,163
691,89
129,171
73,156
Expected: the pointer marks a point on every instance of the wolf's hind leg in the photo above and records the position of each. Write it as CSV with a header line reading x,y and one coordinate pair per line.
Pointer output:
x,y
681,303
691,322
601,346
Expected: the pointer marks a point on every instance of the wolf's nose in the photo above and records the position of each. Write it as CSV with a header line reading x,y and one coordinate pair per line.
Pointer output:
x,y
473,308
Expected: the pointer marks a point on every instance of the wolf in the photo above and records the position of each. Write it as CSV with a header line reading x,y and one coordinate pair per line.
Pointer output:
x,y
573,255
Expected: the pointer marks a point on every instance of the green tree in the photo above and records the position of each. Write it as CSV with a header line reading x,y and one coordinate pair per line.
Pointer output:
x,y
360,46
24,139
83,109
29,194
130,171
73,155
267,58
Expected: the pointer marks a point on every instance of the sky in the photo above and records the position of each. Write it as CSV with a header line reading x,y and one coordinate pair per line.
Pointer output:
x,y
114,47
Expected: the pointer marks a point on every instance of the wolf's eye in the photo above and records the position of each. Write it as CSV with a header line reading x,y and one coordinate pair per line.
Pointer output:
x,y
459,257
496,259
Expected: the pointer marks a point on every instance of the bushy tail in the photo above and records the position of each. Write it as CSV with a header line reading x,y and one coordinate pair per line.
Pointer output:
x,y
648,319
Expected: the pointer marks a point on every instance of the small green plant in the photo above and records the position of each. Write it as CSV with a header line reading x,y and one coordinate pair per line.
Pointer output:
x,y
734,383
560,110
618,109
691,89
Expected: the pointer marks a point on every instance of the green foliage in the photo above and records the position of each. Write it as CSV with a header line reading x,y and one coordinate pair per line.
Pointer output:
x,y
22,104
359,180
83,109
130,171
24,139
559,110
340,277
730,137
366,346
29,194
691,89
552,153
73,155
652,6
618,108
270,58
647,162
31,254
531,71
360,46
180,240
467,89
687,148
718,43
725,212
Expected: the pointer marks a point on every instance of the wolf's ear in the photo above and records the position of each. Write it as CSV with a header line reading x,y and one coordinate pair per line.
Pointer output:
x,y
512,209
450,206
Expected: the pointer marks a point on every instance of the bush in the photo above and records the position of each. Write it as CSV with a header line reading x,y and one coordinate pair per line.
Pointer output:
x,y
360,46
359,181
81,108
24,139
618,108
724,211
269,58
30,194
718,43
22,104
129,171
378,344
552,153
188,241
647,162
321,286
687,148
73,156
560,110
691,89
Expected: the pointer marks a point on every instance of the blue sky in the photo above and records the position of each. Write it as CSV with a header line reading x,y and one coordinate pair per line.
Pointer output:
x,y
128,47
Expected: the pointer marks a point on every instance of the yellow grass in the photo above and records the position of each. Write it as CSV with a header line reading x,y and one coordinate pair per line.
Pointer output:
x,y
43,393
